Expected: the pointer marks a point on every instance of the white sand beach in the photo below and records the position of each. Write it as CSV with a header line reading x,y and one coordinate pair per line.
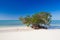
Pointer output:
x,y
27,33
15,28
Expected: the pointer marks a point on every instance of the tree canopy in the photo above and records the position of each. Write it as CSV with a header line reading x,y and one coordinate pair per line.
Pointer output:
x,y
38,18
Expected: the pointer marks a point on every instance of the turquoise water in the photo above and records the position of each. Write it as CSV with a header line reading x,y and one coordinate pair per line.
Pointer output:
x,y
10,23
54,23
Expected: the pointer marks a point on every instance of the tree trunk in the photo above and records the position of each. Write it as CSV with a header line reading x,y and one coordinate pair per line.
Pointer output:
x,y
36,26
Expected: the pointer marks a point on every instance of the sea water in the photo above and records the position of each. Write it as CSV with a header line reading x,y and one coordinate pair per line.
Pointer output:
x,y
55,24
11,23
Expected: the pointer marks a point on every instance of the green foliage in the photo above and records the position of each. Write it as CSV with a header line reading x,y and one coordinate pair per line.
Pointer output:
x,y
38,18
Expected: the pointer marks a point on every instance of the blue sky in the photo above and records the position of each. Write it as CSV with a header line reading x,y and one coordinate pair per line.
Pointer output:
x,y
13,9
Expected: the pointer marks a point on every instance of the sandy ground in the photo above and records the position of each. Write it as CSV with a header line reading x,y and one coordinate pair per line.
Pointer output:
x,y
15,28
26,33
